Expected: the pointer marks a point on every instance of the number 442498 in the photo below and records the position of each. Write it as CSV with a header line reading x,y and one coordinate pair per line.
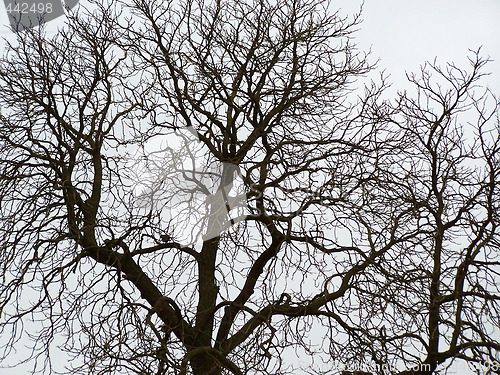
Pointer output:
x,y
25,8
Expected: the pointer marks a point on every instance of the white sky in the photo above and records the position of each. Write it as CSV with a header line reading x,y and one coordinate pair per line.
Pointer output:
x,y
405,33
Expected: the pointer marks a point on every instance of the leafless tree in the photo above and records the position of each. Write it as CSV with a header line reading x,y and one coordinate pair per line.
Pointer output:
x,y
435,295
201,188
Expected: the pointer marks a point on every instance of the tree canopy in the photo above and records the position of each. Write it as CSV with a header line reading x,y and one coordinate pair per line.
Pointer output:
x,y
195,187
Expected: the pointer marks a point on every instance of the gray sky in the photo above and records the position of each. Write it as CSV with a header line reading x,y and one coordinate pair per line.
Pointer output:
x,y
404,33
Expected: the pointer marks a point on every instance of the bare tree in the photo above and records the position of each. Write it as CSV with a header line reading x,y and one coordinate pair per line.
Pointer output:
x,y
435,296
196,188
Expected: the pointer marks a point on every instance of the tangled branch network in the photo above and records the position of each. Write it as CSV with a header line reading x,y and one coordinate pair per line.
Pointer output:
x,y
199,197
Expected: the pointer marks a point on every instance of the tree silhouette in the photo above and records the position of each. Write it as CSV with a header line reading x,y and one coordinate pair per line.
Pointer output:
x,y
203,188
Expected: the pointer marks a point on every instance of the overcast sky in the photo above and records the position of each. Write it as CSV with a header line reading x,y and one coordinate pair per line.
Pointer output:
x,y
403,34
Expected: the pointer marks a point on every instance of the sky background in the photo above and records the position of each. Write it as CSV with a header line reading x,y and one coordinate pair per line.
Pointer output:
x,y
403,34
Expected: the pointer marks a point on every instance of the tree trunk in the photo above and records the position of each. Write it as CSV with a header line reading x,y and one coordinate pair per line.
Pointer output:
x,y
205,364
